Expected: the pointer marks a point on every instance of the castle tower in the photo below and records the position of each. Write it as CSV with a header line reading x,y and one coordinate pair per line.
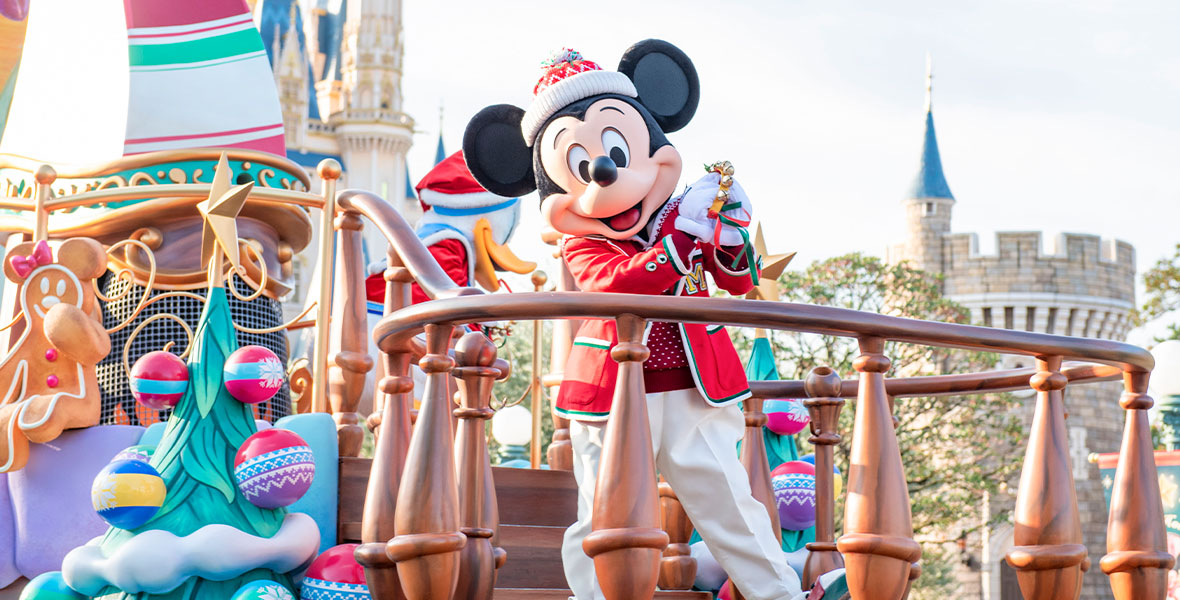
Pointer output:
x,y
373,132
292,80
929,202
1077,285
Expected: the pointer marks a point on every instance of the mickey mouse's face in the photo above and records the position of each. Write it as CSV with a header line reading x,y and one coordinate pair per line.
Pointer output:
x,y
613,186
599,159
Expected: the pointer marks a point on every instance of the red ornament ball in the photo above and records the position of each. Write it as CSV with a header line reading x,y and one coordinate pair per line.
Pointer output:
x,y
253,374
335,574
159,380
274,468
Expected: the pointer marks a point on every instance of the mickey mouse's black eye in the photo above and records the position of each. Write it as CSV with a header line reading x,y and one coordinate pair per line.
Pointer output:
x,y
579,163
616,147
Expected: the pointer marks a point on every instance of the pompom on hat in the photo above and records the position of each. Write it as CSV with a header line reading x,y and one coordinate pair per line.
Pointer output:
x,y
568,78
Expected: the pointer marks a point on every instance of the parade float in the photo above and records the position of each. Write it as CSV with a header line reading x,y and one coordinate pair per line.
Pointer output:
x,y
160,442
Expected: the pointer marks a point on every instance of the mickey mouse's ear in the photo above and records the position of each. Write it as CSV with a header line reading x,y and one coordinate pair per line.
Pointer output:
x,y
496,153
666,81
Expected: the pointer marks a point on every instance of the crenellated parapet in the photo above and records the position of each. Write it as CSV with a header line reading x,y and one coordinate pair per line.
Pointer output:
x,y
1077,284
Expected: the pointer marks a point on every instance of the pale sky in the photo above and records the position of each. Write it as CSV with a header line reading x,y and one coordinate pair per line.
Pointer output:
x,y
1051,115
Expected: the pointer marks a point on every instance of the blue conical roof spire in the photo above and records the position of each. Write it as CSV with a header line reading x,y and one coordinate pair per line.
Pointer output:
x,y
440,153
930,182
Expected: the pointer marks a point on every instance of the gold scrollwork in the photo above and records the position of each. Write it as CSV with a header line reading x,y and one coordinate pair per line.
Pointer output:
x,y
263,175
299,376
142,177
135,332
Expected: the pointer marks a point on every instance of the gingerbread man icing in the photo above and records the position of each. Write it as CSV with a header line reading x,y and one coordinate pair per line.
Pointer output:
x,y
48,378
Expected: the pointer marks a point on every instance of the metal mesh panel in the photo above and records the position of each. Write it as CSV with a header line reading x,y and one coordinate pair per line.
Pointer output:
x,y
118,406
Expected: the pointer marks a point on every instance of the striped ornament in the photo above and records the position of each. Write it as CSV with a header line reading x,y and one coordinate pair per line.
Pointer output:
x,y
335,575
274,468
127,493
253,374
199,78
158,380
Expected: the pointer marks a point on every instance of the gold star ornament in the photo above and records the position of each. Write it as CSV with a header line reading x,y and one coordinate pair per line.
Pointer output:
x,y
773,266
220,212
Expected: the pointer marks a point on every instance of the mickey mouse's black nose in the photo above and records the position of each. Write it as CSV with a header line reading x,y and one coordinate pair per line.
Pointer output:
x,y
603,171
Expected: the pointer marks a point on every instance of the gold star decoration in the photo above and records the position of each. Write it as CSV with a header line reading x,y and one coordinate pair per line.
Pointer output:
x,y
773,266
220,212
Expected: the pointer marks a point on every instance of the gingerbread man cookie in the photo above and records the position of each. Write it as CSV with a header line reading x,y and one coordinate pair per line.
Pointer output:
x,y
48,377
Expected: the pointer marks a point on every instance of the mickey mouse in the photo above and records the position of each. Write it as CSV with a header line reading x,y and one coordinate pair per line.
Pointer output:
x,y
593,144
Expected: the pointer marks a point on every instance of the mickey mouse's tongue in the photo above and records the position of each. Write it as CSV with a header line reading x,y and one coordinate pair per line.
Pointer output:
x,y
624,220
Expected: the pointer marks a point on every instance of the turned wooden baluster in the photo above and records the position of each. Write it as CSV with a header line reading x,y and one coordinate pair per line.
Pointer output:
x,y
561,453
397,297
491,505
626,541
916,567
427,521
475,355
389,455
878,544
1048,553
823,404
754,459
1137,559
678,569
350,361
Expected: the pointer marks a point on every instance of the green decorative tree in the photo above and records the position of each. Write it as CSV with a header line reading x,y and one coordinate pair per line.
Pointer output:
x,y
196,460
955,449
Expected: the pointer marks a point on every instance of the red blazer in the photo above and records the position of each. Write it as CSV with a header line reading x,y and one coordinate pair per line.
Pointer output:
x,y
673,266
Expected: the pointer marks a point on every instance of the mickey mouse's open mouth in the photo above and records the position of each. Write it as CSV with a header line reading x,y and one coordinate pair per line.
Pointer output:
x,y
625,220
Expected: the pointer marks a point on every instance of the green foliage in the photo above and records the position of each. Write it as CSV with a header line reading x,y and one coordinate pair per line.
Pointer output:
x,y
1162,284
515,344
955,449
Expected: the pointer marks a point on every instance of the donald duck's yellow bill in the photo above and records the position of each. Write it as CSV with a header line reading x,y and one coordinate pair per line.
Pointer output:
x,y
491,257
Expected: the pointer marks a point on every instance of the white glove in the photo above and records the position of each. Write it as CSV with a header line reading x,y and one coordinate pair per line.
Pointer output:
x,y
694,210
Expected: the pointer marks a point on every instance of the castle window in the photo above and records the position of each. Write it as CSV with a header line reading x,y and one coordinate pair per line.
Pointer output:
x,y
1030,318
1052,320
929,209
987,316
1009,316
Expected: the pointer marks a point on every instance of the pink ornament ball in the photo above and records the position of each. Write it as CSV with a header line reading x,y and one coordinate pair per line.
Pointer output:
x,y
786,417
794,494
159,380
335,574
274,468
253,374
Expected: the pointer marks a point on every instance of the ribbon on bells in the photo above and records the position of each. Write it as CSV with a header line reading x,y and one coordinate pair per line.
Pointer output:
x,y
721,205
40,256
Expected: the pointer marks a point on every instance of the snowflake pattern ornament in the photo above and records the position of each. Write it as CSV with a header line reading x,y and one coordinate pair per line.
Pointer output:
x,y
127,493
253,374
263,589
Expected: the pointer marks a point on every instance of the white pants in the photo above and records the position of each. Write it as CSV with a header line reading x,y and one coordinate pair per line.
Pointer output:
x,y
695,450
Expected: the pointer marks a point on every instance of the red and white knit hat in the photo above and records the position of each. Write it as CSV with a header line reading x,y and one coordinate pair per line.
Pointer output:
x,y
568,78
450,185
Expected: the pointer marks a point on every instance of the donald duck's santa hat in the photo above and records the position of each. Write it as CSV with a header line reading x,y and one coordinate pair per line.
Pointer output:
x,y
456,207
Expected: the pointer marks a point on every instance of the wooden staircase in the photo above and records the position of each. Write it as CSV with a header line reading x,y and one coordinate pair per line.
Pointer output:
x,y
535,508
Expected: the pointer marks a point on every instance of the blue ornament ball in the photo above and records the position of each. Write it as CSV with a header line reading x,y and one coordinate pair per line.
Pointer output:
x,y
263,589
49,586
127,493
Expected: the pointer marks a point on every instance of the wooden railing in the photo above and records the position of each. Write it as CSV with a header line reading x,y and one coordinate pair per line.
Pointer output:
x,y
423,533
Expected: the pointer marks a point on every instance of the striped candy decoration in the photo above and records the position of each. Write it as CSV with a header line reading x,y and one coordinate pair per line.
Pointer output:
x,y
199,78
794,494
159,379
127,493
253,374
274,468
